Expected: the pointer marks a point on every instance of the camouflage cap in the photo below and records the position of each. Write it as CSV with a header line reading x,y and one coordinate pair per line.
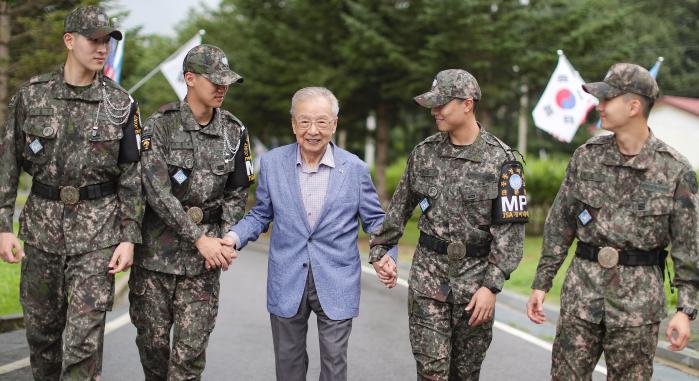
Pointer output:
x,y
211,62
624,78
447,85
91,22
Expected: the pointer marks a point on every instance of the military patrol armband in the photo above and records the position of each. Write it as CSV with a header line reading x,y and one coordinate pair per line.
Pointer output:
x,y
244,174
511,204
130,145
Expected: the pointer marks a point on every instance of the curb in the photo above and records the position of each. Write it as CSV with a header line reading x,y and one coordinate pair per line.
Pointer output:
x,y
687,357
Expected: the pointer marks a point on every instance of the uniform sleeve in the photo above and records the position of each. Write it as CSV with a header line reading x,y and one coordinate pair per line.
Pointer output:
x,y
684,238
235,194
129,193
399,211
11,141
157,185
506,251
559,232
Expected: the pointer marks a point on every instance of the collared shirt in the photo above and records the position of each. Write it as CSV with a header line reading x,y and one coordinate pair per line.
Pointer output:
x,y
313,183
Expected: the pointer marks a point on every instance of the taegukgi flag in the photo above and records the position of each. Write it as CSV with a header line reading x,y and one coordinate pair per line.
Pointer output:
x,y
172,69
564,105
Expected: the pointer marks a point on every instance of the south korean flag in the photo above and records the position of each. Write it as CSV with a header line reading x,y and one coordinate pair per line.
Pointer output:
x,y
511,204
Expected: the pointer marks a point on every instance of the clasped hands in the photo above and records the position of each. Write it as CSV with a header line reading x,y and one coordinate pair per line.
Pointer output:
x,y
217,252
387,271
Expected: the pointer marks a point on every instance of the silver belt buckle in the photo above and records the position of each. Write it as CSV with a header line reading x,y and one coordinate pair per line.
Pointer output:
x,y
608,257
196,214
456,250
69,195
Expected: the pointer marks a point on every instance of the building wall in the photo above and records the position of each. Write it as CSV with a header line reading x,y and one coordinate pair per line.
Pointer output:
x,y
678,128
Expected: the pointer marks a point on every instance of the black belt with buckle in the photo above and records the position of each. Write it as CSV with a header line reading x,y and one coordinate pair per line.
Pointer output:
x,y
72,195
609,257
441,246
205,216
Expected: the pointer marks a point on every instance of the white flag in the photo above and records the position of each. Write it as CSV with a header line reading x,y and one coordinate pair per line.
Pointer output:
x,y
564,104
172,69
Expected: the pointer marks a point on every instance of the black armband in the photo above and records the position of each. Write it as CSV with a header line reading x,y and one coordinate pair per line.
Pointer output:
x,y
129,146
511,204
244,174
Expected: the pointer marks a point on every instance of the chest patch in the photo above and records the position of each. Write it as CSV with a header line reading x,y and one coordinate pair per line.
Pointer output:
x,y
511,204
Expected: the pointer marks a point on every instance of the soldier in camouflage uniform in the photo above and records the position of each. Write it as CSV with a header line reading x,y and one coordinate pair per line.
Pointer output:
x,y
196,172
463,258
75,132
625,198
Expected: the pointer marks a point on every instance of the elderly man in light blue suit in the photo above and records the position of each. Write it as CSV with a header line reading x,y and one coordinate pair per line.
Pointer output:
x,y
316,193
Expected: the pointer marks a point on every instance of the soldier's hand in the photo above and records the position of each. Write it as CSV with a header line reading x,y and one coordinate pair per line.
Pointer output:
x,y
386,271
483,306
535,307
210,248
10,248
122,258
678,331
229,251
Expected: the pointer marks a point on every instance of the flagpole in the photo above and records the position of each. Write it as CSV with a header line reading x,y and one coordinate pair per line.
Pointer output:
x,y
155,70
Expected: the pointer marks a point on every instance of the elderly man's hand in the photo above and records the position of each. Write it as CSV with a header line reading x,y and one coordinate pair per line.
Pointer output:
x,y
211,249
229,251
10,248
387,271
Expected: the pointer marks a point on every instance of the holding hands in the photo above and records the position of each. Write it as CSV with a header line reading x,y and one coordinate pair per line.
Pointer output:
x,y
217,252
387,271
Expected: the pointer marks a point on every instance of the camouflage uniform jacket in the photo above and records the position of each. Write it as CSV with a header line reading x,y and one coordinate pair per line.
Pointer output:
x,y
645,202
461,184
173,141
64,137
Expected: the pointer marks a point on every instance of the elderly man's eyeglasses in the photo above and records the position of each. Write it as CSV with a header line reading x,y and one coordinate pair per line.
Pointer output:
x,y
321,124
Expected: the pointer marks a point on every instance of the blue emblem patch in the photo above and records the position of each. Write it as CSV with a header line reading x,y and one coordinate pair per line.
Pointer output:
x,y
424,204
516,181
180,177
584,217
36,146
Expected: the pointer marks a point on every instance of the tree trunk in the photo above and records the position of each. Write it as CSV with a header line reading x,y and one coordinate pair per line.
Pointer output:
x,y
4,55
383,117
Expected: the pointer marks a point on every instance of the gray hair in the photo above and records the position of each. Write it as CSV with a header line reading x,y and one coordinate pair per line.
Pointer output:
x,y
312,92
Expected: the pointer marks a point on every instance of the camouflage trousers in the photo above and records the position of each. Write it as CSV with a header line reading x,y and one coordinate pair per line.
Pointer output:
x,y
628,351
445,347
65,299
186,305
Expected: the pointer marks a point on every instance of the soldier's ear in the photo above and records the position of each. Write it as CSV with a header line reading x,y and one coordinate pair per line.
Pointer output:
x,y
635,107
468,102
68,40
189,79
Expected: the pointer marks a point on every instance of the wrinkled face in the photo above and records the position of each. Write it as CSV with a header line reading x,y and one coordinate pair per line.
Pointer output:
x,y
615,112
204,91
90,53
314,124
452,114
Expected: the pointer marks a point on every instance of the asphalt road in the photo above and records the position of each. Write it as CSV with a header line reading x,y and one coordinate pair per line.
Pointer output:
x,y
240,347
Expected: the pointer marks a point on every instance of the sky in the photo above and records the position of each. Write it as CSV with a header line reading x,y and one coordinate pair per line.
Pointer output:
x,y
158,16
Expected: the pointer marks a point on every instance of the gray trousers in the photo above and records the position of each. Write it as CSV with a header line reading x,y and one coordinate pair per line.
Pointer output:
x,y
289,336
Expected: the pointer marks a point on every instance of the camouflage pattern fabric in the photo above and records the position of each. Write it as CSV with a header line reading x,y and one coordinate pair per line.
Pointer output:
x,y
90,21
460,185
58,136
447,85
628,351
66,295
643,203
444,345
186,165
188,305
211,62
624,78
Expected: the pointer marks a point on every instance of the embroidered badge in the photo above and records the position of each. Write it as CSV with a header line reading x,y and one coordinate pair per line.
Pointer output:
x,y
584,217
180,177
145,143
36,146
424,204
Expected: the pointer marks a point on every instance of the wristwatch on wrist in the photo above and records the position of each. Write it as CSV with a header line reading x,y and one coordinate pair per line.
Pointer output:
x,y
494,290
689,311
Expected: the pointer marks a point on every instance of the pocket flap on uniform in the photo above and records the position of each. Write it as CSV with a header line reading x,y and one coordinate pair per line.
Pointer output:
x,y
653,206
40,126
222,167
485,192
181,158
105,132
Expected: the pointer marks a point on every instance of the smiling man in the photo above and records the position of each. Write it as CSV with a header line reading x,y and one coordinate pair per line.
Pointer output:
x,y
196,181
315,192
462,178
74,131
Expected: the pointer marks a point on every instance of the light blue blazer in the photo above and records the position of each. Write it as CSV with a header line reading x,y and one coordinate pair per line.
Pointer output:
x,y
330,247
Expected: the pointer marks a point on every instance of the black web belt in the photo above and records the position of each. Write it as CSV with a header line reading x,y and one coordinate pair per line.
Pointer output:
x,y
442,247
630,257
72,195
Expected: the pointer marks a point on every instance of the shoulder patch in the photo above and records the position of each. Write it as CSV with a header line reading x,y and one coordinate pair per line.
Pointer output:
x,y
493,140
602,139
228,115
174,106
41,78
13,102
438,137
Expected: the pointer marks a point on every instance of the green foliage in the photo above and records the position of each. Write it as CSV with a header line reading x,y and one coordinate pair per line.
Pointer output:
x,y
543,178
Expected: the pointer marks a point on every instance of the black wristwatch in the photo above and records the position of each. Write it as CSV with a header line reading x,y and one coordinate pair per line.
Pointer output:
x,y
689,311
497,291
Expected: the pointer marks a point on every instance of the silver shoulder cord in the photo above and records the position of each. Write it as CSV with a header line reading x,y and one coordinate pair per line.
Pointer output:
x,y
228,147
116,115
